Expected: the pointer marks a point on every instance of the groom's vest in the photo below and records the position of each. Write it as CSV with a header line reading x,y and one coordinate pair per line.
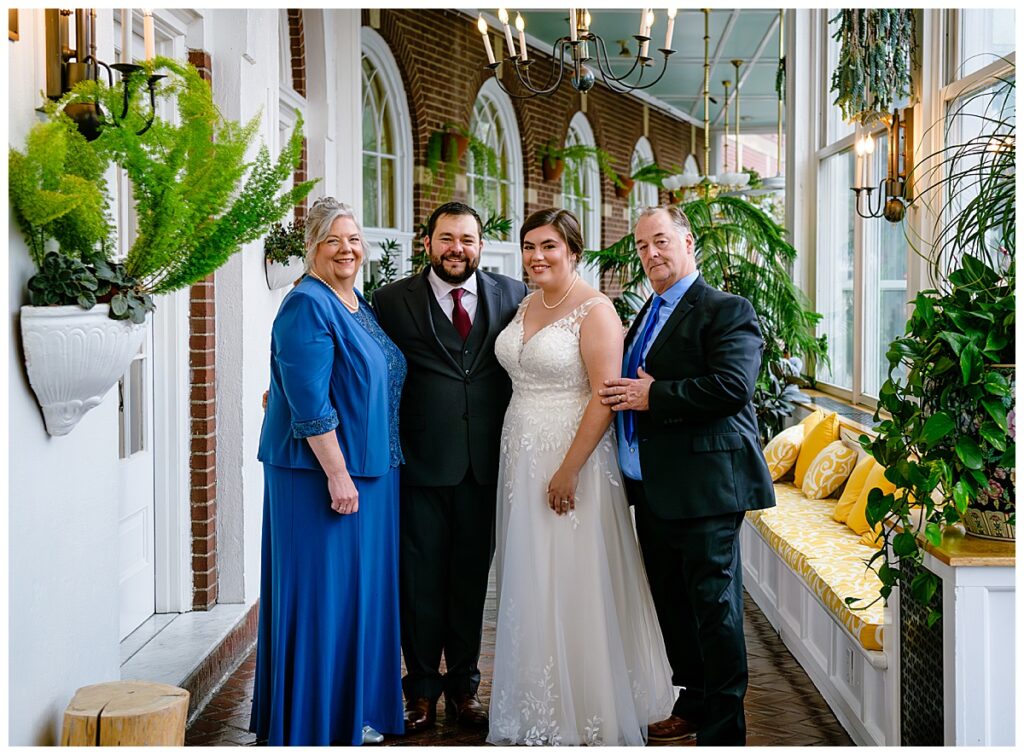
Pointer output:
x,y
463,353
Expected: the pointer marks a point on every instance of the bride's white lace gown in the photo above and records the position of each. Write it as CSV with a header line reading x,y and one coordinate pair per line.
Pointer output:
x,y
579,656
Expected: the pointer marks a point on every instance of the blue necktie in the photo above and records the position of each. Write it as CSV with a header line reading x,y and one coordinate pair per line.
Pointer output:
x,y
636,359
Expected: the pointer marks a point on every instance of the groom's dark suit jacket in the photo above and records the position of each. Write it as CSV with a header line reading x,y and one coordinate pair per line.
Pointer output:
x,y
698,442
455,394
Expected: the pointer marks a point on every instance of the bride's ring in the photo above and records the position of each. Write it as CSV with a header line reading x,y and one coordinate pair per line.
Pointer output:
x,y
565,500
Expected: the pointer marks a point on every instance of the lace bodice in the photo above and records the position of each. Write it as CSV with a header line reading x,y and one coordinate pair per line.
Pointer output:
x,y
549,363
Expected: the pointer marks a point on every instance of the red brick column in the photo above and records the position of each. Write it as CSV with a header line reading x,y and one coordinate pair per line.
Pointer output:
x,y
203,412
297,47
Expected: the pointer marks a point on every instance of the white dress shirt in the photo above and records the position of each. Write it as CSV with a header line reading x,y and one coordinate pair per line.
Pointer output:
x,y
443,294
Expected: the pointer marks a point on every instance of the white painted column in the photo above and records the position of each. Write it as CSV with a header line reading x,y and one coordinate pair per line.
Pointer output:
x,y
803,52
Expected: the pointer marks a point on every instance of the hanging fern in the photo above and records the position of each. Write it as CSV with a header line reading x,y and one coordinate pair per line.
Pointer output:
x,y
877,50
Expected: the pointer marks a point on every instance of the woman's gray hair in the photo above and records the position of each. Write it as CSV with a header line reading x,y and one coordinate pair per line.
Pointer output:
x,y
676,215
319,219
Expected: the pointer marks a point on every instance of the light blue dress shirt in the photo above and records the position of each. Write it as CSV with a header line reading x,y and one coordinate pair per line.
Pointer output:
x,y
629,456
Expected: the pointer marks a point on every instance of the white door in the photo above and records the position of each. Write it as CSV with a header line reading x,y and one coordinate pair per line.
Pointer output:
x,y
136,522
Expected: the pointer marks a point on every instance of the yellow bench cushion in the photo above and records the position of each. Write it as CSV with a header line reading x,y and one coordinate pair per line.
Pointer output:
x,y
828,556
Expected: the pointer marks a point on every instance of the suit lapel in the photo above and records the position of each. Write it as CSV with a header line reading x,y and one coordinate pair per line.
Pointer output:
x,y
688,303
489,306
419,302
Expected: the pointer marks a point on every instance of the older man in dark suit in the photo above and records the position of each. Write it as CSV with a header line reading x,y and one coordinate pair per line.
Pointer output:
x,y
445,321
692,465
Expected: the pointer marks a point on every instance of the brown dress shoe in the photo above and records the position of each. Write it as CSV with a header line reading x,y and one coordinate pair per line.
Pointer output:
x,y
420,714
467,710
672,729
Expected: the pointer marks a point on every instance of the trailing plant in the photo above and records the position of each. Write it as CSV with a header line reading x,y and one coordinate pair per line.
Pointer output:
x,y
284,243
877,47
196,198
741,250
58,192
387,267
652,174
576,157
444,157
949,440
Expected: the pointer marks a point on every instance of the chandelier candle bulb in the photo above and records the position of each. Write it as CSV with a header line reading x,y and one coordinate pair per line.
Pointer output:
x,y
671,27
572,24
643,22
148,35
503,17
869,151
521,28
126,35
482,26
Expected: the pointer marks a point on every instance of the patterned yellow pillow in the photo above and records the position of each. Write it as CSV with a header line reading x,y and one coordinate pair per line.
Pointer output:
x,y
814,443
782,450
854,485
858,521
829,470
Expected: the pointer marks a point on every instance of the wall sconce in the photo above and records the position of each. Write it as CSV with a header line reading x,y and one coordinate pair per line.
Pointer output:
x,y
62,74
894,191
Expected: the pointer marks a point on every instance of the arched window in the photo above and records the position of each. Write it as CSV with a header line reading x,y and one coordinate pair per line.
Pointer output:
x,y
643,194
387,156
497,188
583,197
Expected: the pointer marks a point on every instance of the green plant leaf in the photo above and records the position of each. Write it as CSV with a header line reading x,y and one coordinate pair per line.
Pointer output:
x,y
119,305
904,544
933,616
937,427
969,452
993,435
970,363
997,384
923,586
933,533
997,412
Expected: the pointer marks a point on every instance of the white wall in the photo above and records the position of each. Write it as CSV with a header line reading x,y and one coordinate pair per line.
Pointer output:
x,y
63,500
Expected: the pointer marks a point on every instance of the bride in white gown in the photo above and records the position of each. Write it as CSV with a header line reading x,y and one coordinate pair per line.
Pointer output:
x,y
579,656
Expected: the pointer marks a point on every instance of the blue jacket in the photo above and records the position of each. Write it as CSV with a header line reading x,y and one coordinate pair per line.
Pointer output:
x,y
326,372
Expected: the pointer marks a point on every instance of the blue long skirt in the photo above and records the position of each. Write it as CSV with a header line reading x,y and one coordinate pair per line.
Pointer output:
x,y
328,658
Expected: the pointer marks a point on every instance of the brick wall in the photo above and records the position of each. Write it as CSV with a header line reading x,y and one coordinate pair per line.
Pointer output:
x,y
203,414
297,47
441,59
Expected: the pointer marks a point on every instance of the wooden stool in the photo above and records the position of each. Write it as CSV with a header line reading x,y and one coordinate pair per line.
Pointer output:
x,y
126,713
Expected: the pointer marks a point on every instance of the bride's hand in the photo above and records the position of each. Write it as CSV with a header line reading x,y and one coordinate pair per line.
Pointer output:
x,y
562,491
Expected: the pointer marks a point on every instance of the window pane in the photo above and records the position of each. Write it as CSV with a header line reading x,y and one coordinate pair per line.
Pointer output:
x,y
387,193
986,35
835,267
370,217
885,287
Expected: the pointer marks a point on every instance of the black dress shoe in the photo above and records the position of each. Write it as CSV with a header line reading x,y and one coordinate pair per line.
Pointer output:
x,y
467,710
420,714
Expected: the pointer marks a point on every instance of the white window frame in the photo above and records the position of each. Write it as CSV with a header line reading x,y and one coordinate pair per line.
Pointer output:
x,y
580,132
642,194
376,49
504,256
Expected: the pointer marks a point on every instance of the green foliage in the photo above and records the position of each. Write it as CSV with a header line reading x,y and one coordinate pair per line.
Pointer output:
x,y
62,280
576,157
443,161
877,47
194,210
652,174
741,250
949,438
388,269
58,191
774,399
284,243
127,300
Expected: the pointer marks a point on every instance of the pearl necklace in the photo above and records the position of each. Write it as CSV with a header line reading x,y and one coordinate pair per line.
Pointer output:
x,y
353,308
566,296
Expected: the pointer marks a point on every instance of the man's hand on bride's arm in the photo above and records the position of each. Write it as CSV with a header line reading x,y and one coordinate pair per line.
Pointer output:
x,y
627,393
562,490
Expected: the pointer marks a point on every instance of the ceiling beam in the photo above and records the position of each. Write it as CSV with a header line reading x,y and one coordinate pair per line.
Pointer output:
x,y
757,55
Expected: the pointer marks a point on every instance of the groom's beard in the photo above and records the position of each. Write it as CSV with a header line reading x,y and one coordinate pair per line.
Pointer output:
x,y
438,267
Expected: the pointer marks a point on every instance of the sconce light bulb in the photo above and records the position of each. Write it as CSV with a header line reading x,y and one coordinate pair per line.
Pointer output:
x,y
520,23
481,25
869,144
503,16
859,147
586,19
650,19
672,12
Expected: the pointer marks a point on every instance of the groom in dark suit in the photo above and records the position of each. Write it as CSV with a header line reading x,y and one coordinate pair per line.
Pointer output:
x,y
692,465
445,321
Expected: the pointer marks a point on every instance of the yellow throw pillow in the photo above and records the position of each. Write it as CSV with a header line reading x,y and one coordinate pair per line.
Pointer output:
x,y
812,419
858,521
854,485
782,450
814,443
829,470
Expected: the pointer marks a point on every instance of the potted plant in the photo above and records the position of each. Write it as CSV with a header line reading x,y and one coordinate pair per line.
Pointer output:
x,y
284,253
552,162
740,249
950,438
197,201
877,47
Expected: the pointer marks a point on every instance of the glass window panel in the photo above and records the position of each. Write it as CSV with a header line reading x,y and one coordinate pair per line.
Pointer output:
x,y
834,258
986,35
488,191
836,127
387,193
370,218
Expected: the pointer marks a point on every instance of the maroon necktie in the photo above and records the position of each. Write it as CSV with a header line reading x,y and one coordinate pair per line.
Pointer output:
x,y
460,317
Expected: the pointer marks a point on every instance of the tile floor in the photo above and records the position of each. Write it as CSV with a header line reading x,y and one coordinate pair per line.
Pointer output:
x,y
782,705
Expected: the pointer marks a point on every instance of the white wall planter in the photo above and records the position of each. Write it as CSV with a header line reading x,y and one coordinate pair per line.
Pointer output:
x,y
279,276
74,356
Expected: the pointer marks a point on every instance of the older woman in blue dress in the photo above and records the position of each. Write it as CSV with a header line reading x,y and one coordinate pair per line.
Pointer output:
x,y
328,663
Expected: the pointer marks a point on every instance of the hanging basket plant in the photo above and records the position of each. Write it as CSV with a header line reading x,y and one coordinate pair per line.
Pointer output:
x,y
877,48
